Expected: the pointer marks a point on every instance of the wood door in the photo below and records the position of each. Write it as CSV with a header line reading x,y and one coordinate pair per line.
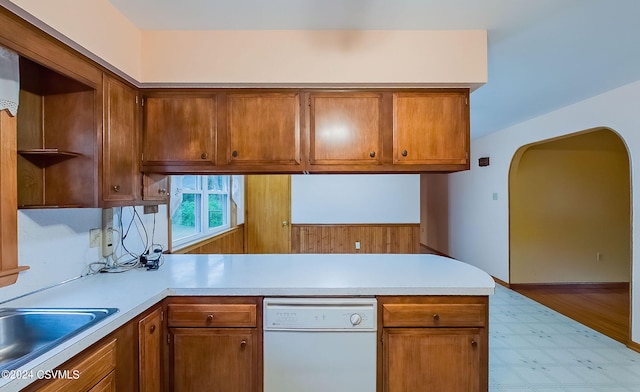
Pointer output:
x,y
430,128
268,214
69,124
180,130
30,136
263,128
120,172
8,200
149,351
156,187
345,128
432,359
215,359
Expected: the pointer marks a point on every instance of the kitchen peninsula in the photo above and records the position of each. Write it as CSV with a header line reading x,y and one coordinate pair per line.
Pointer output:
x,y
417,294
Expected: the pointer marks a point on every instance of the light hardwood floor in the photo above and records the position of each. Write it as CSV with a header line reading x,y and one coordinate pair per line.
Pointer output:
x,y
605,309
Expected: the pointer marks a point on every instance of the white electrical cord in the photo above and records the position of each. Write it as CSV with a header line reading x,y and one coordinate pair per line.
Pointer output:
x,y
151,257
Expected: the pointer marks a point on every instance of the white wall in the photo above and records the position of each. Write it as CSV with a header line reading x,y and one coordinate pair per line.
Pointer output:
x,y
415,57
355,198
479,225
55,244
95,28
333,57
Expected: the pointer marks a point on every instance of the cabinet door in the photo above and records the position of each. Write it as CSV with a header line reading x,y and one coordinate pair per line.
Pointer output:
x,y
120,173
345,128
156,187
150,338
430,128
180,130
432,359
107,384
8,214
263,128
215,359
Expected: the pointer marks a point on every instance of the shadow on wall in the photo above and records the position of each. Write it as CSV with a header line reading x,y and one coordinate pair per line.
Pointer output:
x,y
570,210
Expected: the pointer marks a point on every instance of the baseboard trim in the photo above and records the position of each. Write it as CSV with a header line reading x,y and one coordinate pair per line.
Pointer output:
x,y
633,346
501,282
570,285
429,249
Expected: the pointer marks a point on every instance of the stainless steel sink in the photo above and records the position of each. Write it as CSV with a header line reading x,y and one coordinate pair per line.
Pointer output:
x,y
27,333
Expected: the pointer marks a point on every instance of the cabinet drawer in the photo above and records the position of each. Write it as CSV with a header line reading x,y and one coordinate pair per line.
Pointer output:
x,y
212,315
433,315
108,384
87,371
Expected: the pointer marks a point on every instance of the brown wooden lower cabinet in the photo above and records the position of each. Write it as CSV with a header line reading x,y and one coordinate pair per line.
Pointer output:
x,y
107,384
215,344
150,352
214,359
85,372
426,343
127,360
433,343
431,359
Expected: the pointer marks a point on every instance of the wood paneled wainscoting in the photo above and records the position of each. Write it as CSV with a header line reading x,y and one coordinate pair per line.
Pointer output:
x,y
373,238
231,241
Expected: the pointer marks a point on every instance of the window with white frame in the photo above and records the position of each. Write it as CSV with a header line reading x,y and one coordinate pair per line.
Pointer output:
x,y
199,207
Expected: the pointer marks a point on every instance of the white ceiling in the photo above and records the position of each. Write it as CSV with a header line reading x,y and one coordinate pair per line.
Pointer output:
x,y
543,54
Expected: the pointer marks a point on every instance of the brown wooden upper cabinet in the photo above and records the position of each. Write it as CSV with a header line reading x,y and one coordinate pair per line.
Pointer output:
x,y
57,128
120,172
179,130
345,128
263,128
155,187
431,128
306,130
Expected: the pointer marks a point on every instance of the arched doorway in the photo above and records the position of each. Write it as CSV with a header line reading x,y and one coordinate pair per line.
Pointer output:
x,y
570,227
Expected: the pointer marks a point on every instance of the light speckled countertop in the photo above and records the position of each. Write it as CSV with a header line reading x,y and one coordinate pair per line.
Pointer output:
x,y
246,275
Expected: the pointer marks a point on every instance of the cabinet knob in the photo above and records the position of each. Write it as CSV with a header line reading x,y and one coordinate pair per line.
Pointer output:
x,y
210,318
284,223
243,344
152,329
372,154
404,153
474,343
436,317
116,188
204,155
234,154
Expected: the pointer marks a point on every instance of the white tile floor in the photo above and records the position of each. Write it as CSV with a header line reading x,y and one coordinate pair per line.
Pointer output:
x,y
533,348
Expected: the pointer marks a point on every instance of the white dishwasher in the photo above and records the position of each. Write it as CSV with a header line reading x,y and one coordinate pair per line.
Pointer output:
x,y
320,344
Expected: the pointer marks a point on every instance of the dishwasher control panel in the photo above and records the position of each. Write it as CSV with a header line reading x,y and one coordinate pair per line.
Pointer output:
x,y
340,314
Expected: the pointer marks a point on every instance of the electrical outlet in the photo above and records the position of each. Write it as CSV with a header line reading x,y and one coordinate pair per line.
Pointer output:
x,y
151,209
107,232
95,239
357,245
